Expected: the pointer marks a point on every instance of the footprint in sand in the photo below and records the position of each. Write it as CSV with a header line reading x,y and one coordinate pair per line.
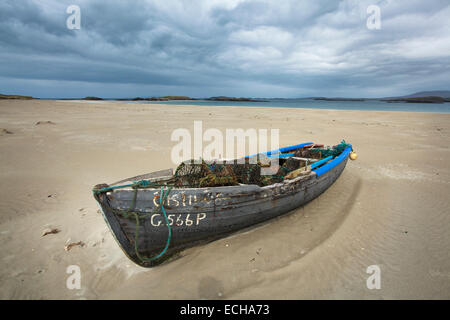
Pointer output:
x,y
4,132
44,122
52,198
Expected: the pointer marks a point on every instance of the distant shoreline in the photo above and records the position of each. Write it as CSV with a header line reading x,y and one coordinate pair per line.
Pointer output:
x,y
174,98
414,98
430,100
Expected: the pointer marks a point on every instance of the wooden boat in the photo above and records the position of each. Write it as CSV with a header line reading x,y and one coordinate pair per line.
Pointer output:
x,y
152,220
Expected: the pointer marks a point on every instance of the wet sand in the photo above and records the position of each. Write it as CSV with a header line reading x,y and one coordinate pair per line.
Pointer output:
x,y
389,208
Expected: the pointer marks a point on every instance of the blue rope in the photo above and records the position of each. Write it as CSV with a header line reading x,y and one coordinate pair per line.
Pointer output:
x,y
135,184
111,188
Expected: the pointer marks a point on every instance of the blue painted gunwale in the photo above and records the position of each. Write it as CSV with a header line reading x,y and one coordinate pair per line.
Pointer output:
x,y
333,163
321,162
281,150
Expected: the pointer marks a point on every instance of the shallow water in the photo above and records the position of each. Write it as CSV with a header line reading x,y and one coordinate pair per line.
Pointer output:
x,y
374,105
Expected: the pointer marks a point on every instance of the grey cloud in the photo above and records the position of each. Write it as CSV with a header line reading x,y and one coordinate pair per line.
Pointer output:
x,y
230,47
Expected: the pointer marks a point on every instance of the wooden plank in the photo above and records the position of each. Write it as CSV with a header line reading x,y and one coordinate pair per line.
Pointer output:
x,y
305,159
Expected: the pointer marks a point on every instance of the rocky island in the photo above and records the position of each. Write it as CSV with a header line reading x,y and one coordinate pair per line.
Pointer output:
x,y
15,97
165,98
431,99
222,98
93,99
339,99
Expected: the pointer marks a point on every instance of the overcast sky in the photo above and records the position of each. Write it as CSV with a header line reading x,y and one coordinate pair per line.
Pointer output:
x,y
252,48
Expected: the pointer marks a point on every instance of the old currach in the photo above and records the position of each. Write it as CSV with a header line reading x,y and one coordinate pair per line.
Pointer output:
x,y
155,215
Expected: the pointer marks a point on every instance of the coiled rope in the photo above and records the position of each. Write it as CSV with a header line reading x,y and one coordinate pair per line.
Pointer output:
x,y
137,216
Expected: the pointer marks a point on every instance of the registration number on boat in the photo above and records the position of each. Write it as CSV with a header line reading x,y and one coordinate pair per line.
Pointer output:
x,y
177,219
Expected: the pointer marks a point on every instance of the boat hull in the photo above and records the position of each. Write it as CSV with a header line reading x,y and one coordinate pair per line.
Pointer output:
x,y
203,214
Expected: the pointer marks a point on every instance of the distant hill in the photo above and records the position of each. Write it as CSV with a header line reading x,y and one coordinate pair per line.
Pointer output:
x,y
437,93
437,96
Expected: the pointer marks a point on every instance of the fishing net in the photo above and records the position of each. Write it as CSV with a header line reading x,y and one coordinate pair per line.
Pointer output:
x,y
217,173
197,174
319,153
259,170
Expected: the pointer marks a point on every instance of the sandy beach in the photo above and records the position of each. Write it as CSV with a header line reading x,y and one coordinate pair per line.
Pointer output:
x,y
389,208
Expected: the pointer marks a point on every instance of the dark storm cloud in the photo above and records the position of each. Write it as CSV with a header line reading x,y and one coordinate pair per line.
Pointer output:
x,y
225,47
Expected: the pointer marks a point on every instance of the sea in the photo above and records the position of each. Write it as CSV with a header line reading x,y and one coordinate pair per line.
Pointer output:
x,y
373,105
